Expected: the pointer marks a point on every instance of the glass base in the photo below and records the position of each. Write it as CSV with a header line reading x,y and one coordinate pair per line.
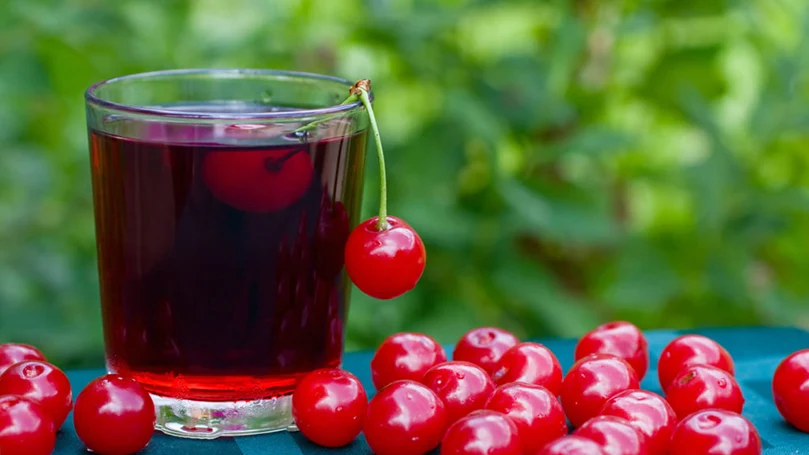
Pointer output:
x,y
211,420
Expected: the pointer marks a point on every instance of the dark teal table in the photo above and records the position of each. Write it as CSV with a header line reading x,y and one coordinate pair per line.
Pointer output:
x,y
757,351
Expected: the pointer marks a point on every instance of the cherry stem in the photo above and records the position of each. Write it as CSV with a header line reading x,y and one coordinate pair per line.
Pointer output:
x,y
352,98
382,223
360,91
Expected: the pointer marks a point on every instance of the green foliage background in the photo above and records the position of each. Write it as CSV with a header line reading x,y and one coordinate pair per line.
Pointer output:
x,y
566,162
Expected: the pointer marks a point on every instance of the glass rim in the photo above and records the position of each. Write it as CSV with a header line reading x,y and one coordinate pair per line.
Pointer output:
x,y
91,97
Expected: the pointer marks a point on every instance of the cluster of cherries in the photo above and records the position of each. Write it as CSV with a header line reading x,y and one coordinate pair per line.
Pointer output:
x,y
113,415
500,396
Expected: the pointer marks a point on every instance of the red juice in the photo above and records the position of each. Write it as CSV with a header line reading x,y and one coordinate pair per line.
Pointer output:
x,y
221,265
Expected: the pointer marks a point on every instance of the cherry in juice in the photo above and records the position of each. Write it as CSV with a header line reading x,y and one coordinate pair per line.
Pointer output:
x,y
222,266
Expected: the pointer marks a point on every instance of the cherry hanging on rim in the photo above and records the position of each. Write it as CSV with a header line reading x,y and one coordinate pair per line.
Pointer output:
x,y
384,256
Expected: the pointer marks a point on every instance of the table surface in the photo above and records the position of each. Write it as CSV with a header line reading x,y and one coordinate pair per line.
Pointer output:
x,y
756,351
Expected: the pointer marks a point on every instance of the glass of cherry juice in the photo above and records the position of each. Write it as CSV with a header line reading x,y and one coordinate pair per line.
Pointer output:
x,y
223,200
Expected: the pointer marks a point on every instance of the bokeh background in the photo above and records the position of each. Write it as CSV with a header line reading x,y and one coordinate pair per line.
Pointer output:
x,y
566,162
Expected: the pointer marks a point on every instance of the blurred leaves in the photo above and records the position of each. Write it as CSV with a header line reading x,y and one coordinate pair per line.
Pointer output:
x,y
565,162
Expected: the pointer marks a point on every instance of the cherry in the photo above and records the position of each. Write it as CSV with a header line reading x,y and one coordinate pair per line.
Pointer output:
x,y
704,387
405,355
384,256
482,433
43,383
462,386
572,445
648,413
688,350
620,339
114,415
258,180
790,389
592,381
385,262
404,418
715,431
484,347
328,406
25,427
532,363
534,409
11,353
615,435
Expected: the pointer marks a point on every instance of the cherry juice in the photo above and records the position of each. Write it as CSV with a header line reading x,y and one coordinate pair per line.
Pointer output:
x,y
221,263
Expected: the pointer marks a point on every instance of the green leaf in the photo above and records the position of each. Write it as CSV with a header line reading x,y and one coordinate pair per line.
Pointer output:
x,y
556,218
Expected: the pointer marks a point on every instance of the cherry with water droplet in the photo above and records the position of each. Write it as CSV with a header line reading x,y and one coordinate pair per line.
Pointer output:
x,y
621,339
687,350
715,431
704,387
484,346
462,386
531,363
42,383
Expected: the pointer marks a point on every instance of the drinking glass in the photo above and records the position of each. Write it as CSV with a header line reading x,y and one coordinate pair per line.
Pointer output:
x,y
223,200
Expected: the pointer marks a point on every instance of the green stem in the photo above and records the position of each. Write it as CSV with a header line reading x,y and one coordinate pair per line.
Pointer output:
x,y
351,99
382,224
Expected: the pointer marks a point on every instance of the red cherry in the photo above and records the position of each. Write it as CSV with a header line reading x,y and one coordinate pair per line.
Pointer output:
x,y
11,353
615,435
704,387
404,418
114,415
591,382
482,433
648,413
484,347
25,427
620,339
462,386
715,431
790,389
385,263
572,445
258,180
534,409
532,363
688,350
43,383
328,406
405,355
